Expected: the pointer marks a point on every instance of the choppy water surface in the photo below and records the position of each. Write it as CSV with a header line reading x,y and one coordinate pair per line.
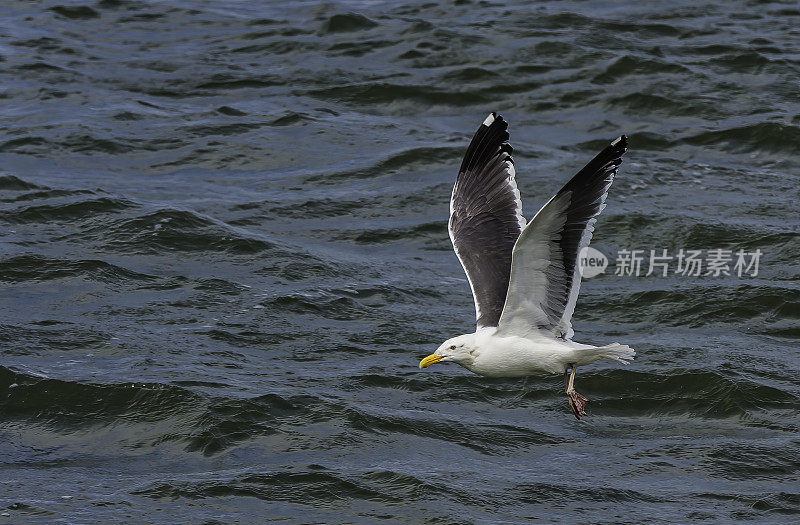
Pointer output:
x,y
224,252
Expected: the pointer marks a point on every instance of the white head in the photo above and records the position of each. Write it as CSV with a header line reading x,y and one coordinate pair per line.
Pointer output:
x,y
457,349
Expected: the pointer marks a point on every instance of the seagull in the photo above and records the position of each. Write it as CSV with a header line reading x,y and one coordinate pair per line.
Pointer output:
x,y
524,278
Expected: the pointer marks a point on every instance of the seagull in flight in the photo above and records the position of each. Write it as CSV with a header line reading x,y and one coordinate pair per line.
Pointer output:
x,y
525,278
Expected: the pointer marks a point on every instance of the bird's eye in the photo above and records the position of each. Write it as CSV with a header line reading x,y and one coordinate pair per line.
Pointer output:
x,y
453,347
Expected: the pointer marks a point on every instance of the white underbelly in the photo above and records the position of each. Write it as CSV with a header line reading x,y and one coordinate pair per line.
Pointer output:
x,y
518,357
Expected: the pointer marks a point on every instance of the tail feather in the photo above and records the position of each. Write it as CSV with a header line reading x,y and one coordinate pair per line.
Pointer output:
x,y
618,352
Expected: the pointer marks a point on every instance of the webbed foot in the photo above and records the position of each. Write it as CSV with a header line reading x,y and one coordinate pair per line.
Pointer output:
x,y
577,403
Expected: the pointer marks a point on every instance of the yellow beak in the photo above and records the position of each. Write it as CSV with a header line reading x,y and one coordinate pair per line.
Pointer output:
x,y
430,360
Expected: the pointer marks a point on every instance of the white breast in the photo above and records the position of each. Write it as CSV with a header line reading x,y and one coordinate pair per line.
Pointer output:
x,y
519,356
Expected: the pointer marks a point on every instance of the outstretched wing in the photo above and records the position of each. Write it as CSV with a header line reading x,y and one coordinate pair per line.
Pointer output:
x,y
545,275
486,217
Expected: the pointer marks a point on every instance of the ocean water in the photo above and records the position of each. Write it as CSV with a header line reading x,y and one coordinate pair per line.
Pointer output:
x,y
223,252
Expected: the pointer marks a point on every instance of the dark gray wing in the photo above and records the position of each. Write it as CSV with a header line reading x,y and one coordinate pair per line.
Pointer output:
x,y
545,275
486,217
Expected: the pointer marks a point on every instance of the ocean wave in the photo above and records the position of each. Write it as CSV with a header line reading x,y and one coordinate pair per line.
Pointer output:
x,y
753,461
347,23
225,423
45,194
81,210
179,230
12,183
44,336
670,393
392,93
408,159
768,137
223,81
295,269
434,232
629,65
198,422
692,232
75,12
654,103
326,305
70,405
562,493
24,268
698,305
488,439
316,484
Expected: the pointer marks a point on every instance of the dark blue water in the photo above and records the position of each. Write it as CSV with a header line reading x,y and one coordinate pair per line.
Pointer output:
x,y
223,251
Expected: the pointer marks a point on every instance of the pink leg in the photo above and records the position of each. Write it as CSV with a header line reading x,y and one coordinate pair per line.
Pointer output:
x,y
576,401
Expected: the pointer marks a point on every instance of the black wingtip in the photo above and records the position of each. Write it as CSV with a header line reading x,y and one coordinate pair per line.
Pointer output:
x,y
494,120
620,144
490,139
609,158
